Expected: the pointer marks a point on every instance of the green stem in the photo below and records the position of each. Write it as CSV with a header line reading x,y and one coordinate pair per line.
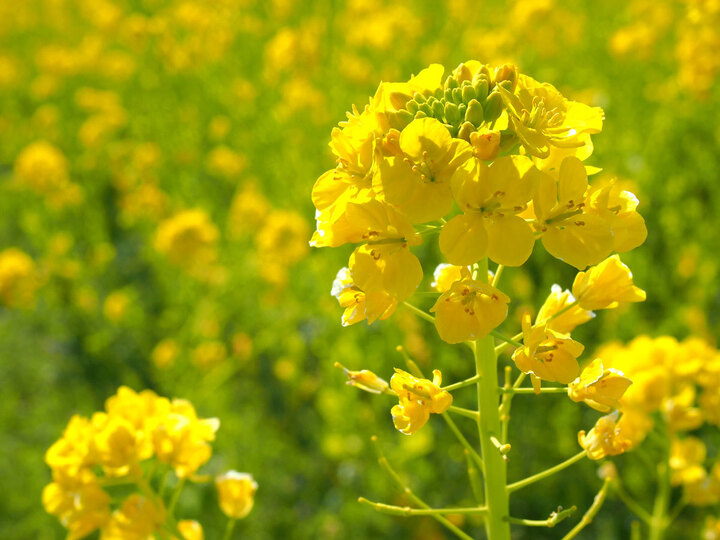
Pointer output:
x,y
551,390
464,412
468,448
229,529
461,384
408,511
631,504
175,496
419,312
506,339
546,473
497,525
385,464
591,512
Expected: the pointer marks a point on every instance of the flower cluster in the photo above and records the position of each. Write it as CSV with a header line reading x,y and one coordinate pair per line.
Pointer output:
x,y
675,382
116,447
489,159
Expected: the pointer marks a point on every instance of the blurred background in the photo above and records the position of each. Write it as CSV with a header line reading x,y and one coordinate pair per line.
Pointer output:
x,y
156,162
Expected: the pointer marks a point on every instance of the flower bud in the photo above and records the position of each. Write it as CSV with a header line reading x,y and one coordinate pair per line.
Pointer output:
x,y
364,380
468,92
493,107
457,95
236,492
452,114
466,129
507,72
474,113
486,143
482,87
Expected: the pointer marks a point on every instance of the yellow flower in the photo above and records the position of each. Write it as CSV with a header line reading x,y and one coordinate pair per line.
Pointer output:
x,y
604,439
117,445
180,438
209,354
542,118
686,460
557,301
44,169
82,508
358,304
679,411
547,355
485,143
18,279
188,238
190,530
137,519
165,353
225,163
618,208
115,306
469,310
490,198
599,387
416,179
248,210
417,399
236,492
447,274
606,285
568,233
365,380
284,236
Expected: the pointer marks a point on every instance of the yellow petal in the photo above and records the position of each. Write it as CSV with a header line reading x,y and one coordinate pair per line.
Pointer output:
x,y
463,240
580,241
510,240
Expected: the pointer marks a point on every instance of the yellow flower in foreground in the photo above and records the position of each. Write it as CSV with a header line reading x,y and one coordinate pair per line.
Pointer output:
x,y
358,304
599,387
18,279
418,398
558,301
568,232
469,310
236,492
365,380
417,179
542,117
606,285
604,439
490,198
547,355
447,274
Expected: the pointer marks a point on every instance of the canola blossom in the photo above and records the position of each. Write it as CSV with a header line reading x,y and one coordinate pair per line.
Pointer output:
x,y
486,161
488,158
98,458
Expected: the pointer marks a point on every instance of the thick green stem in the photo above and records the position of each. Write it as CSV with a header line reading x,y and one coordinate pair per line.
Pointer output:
x,y
497,523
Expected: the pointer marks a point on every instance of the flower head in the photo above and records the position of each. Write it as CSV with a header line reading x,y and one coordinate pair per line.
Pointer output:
x,y
236,492
599,387
606,285
418,399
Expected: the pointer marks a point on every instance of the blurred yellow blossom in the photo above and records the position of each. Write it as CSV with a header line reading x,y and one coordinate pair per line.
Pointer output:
x,y
188,238
236,493
19,279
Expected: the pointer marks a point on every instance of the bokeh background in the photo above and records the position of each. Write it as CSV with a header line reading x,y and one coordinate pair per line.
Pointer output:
x,y
156,162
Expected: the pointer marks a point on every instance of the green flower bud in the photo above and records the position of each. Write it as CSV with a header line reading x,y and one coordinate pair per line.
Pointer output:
x,y
475,113
493,107
419,97
412,107
465,130
447,95
468,92
420,114
457,95
452,114
438,109
402,118
451,82
461,109
426,109
482,87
